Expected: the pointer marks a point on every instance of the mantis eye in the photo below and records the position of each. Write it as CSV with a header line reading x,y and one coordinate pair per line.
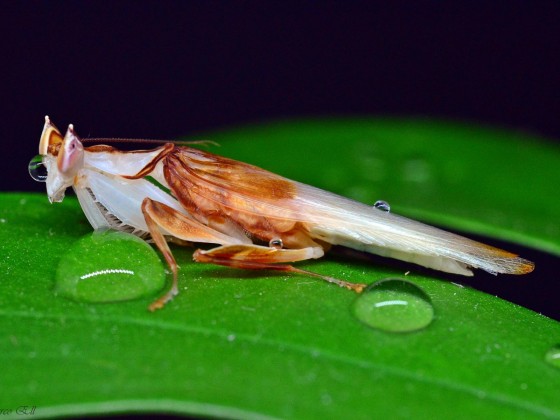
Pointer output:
x,y
37,169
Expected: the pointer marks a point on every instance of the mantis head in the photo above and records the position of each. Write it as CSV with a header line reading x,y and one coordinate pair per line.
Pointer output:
x,y
62,157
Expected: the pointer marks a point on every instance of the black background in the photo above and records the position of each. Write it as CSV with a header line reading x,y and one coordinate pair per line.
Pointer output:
x,y
170,69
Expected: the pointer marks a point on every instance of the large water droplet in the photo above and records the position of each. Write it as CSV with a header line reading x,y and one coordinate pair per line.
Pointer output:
x,y
382,205
109,266
552,356
37,169
394,305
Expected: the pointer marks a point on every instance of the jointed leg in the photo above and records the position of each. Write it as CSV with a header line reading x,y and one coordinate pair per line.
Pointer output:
x,y
237,253
161,243
255,257
157,216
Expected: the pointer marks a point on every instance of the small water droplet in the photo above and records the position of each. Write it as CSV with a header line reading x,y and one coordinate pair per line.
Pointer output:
x,y
394,305
37,169
552,356
109,266
382,205
276,243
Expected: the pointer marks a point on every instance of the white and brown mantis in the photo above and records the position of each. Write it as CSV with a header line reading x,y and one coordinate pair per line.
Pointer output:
x,y
259,220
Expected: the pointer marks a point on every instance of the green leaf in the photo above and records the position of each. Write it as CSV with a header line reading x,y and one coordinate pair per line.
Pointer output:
x,y
253,345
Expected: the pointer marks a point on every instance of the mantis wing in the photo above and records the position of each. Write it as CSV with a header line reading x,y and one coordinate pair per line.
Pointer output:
x,y
251,193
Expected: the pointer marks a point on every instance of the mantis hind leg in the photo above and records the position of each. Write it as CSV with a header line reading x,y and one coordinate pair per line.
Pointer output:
x,y
235,251
256,257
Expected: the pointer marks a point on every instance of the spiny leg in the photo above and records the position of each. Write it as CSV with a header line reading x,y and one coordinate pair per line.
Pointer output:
x,y
159,215
255,257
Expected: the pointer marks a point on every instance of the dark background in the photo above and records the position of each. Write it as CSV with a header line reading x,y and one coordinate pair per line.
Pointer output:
x,y
170,69
167,69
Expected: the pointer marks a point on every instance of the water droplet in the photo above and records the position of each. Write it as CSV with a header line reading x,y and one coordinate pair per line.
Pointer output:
x,y
382,205
109,266
37,169
552,356
276,243
394,305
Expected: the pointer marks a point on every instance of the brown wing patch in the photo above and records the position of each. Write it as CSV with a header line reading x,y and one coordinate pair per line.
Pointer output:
x,y
241,178
207,185
524,266
512,263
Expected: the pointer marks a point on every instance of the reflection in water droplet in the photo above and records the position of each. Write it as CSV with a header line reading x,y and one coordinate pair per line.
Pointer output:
x,y
276,243
37,169
382,205
394,305
109,266
552,356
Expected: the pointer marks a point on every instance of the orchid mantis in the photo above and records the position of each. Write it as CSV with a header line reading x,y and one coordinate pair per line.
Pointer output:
x,y
259,220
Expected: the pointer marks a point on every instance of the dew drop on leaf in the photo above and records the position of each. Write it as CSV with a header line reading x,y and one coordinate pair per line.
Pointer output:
x,y
394,305
109,266
552,356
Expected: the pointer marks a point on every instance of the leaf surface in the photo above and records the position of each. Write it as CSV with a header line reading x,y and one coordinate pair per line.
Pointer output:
x,y
257,345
